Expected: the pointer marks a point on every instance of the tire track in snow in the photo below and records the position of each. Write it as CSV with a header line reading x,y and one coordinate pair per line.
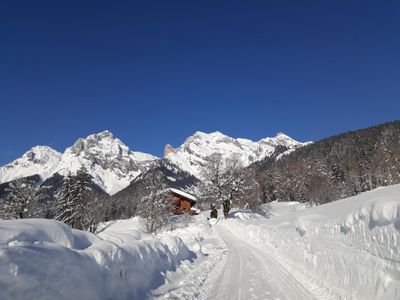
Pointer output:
x,y
249,272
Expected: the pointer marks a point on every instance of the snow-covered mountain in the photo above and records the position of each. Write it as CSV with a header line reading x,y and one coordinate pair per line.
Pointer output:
x,y
192,155
111,163
41,160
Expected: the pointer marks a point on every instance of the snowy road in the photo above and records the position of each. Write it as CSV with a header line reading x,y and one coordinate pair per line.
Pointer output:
x,y
250,272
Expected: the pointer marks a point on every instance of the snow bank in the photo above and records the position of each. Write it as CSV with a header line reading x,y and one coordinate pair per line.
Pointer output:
x,y
45,259
189,280
37,231
349,248
276,208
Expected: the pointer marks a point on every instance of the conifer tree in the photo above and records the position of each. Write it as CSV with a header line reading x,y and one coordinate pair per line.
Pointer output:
x,y
20,200
73,206
65,206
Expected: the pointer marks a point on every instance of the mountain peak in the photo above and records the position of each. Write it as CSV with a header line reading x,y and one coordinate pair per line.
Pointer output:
x,y
208,138
194,153
111,163
40,152
281,134
204,135
105,134
104,142
37,160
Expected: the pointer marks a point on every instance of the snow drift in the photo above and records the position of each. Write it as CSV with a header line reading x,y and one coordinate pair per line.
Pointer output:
x,y
349,249
45,259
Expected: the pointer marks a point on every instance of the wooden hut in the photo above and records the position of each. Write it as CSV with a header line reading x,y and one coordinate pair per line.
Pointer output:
x,y
183,202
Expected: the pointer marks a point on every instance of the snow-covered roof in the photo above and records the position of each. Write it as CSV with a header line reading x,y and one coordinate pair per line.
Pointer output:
x,y
183,194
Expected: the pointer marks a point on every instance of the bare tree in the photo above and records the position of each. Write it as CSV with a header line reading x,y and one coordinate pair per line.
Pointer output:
x,y
155,205
212,187
225,180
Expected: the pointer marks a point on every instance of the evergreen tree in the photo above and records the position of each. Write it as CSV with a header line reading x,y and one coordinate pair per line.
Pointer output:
x,y
84,201
20,200
66,202
74,204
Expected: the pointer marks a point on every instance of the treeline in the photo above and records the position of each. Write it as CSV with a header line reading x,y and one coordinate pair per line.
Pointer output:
x,y
77,201
334,168
74,200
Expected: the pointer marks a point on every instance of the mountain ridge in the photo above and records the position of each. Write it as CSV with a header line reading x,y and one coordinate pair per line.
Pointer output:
x,y
114,165
111,163
192,155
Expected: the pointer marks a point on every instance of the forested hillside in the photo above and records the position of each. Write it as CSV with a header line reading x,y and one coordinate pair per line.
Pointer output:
x,y
333,168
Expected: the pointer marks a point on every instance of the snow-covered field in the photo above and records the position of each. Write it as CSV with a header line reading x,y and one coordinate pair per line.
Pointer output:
x,y
348,249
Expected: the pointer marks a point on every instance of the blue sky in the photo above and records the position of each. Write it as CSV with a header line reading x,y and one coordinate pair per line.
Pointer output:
x,y
154,72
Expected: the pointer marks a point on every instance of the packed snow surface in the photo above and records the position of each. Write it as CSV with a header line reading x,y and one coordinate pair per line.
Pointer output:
x,y
348,249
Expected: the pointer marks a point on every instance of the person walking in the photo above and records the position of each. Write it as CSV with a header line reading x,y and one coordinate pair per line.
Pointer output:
x,y
214,212
226,205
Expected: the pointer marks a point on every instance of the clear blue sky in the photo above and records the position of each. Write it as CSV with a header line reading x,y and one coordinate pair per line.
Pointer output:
x,y
154,72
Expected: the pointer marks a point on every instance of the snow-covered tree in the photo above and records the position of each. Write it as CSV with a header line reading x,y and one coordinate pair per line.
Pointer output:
x,y
66,205
100,209
264,183
155,205
20,200
73,205
224,180
155,209
212,187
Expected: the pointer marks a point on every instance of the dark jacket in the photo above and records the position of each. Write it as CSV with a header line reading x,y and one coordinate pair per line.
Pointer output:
x,y
226,205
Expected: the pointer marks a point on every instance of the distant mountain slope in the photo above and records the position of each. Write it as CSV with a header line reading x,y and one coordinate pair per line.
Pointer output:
x,y
111,163
192,155
40,160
